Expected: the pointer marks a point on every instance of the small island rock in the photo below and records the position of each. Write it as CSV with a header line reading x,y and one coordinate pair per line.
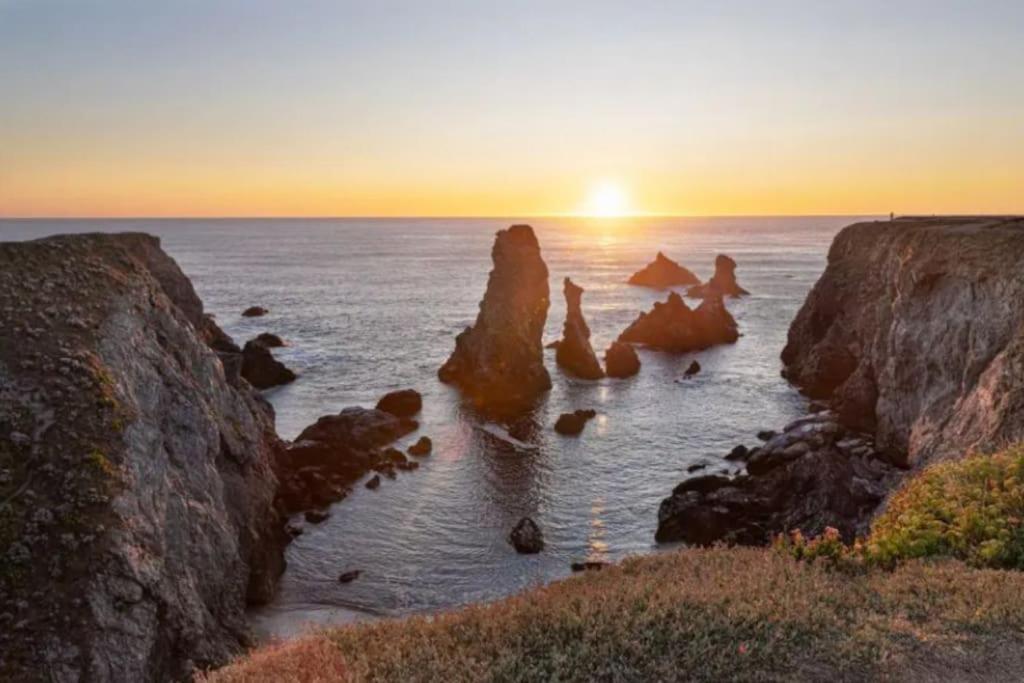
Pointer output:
x,y
675,327
574,352
571,424
621,360
662,273
722,283
254,312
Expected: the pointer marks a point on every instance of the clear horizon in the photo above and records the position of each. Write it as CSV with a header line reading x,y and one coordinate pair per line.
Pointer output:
x,y
454,109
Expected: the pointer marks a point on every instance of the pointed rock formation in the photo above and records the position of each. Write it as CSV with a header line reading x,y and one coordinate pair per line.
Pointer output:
x,y
722,283
574,352
620,360
662,273
499,361
673,326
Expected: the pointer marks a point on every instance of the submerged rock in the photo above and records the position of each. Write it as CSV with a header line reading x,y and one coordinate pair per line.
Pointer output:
x,y
722,283
673,326
349,576
402,403
621,360
571,424
255,312
261,369
499,361
574,352
662,273
526,537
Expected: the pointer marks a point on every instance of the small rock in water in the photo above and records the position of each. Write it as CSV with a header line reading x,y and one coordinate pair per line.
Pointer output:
x,y
350,576
620,360
741,452
294,530
694,468
254,312
588,566
373,482
403,403
422,447
693,369
766,434
571,424
526,537
270,340
316,516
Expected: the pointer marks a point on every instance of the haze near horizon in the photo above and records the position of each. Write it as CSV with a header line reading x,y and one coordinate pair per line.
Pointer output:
x,y
112,108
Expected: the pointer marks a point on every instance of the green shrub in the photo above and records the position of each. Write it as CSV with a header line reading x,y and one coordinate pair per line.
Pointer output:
x,y
970,509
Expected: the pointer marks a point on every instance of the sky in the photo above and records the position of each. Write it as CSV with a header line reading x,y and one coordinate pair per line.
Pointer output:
x,y
511,108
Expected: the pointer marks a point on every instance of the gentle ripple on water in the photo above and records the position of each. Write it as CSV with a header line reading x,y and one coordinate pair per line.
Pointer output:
x,y
372,305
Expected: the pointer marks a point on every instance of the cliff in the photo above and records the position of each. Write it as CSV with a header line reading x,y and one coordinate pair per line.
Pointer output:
x,y
136,473
915,333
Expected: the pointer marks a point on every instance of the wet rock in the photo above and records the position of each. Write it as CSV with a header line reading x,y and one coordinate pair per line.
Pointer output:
x,y
621,360
349,576
294,530
271,341
358,428
526,537
255,312
738,453
571,424
316,516
422,447
403,403
766,434
589,566
722,283
261,369
499,361
672,326
662,273
373,482
574,352
693,369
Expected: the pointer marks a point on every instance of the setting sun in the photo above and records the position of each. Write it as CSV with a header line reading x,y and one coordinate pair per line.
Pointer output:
x,y
606,200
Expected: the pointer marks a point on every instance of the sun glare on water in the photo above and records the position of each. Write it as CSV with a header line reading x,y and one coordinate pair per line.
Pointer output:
x,y
606,200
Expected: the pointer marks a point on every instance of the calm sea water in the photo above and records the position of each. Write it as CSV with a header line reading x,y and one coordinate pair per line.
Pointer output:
x,y
372,305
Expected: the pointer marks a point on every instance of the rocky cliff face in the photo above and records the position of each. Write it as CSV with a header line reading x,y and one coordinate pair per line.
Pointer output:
x,y
499,361
915,333
574,352
136,476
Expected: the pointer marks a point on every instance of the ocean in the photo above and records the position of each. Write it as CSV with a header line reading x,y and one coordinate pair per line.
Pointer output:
x,y
372,305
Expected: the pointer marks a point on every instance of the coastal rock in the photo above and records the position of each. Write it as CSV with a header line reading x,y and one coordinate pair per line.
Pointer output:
x,y
156,472
574,352
422,447
526,537
571,424
722,283
621,360
349,576
261,369
662,273
316,516
499,361
255,312
270,340
915,333
373,482
693,369
403,403
672,326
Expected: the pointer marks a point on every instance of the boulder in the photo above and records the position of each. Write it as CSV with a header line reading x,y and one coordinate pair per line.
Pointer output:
x,y
255,312
270,340
526,537
662,273
499,362
403,403
722,283
740,452
672,326
571,424
422,447
621,360
261,369
574,352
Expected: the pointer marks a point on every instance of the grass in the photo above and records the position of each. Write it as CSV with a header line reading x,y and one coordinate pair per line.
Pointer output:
x,y
717,614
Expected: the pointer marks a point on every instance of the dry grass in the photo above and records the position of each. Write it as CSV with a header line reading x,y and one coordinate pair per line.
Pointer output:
x,y
718,614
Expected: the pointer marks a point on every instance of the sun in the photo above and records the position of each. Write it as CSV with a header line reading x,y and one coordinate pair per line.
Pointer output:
x,y
606,200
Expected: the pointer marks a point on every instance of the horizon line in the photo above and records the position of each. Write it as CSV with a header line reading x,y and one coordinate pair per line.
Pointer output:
x,y
465,216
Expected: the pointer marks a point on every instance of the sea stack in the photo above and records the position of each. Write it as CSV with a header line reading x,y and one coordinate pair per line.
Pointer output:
x,y
499,361
620,360
672,326
574,352
662,273
722,283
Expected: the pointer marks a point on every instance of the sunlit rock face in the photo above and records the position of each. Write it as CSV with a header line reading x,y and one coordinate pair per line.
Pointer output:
x,y
722,283
915,332
574,352
139,475
662,273
675,327
498,363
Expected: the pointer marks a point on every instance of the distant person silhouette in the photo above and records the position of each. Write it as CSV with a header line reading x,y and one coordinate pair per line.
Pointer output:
x,y
892,215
